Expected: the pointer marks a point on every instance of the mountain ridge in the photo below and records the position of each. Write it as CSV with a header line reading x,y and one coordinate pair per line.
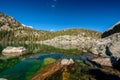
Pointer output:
x,y
11,30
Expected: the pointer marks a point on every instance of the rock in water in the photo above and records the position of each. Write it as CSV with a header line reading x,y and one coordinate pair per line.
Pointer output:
x,y
65,62
14,51
3,79
52,69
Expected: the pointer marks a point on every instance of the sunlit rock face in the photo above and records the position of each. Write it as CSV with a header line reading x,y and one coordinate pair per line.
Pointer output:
x,y
71,42
109,46
65,62
14,51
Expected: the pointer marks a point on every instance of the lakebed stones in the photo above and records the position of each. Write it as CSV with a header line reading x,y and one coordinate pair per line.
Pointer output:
x,y
14,51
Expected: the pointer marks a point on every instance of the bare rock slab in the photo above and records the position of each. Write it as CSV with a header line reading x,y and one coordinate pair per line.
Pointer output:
x,y
14,51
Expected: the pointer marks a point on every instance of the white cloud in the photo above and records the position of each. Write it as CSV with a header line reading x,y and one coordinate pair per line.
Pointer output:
x,y
23,25
52,30
27,26
52,6
30,26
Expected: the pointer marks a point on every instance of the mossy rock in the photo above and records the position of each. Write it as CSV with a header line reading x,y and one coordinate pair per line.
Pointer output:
x,y
49,61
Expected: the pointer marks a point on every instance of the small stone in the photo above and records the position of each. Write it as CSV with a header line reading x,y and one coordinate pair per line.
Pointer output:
x,y
66,62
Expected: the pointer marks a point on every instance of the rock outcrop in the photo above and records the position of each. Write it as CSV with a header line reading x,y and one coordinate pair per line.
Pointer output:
x,y
70,42
14,51
8,22
112,30
109,46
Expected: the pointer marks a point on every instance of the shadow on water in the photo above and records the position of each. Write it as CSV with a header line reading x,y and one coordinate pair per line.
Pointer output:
x,y
27,67
100,75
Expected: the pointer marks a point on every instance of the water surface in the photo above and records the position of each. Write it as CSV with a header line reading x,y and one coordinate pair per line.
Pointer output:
x,y
27,67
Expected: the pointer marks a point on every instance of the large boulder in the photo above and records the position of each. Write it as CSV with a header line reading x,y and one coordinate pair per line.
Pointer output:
x,y
14,51
109,46
65,62
3,79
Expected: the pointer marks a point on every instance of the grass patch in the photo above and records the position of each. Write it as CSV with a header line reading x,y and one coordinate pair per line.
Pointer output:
x,y
49,61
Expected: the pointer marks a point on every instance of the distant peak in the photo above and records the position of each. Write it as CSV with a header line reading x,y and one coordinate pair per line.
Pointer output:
x,y
114,29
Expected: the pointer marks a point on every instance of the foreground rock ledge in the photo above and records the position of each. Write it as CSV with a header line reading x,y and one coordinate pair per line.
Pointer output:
x,y
108,47
51,69
14,51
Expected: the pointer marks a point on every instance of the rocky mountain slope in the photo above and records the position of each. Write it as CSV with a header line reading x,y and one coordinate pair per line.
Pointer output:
x,y
7,22
73,38
108,48
13,31
108,45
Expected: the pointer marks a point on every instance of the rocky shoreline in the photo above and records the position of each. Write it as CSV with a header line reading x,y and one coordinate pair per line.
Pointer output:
x,y
107,48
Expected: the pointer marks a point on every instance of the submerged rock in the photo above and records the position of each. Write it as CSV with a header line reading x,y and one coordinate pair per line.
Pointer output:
x,y
14,51
52,69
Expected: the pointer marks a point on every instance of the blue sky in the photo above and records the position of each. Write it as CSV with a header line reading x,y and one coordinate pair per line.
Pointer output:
x,y
60,14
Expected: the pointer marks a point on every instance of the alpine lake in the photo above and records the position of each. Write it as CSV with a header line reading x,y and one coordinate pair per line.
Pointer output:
x,y
25,66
